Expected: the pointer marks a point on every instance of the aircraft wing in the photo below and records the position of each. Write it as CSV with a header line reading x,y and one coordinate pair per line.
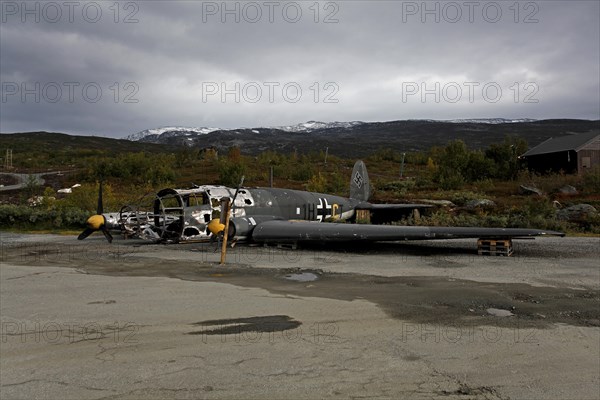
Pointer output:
x,y
302,231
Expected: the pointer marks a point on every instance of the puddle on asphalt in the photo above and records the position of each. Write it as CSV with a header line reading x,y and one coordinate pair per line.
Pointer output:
x,y
236,326
302,277
497,312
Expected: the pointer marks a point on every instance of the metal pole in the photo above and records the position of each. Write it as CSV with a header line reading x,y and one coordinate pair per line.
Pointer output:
x,y
271,177
227,205
402,165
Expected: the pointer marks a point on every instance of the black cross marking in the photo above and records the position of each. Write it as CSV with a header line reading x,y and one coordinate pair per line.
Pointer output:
x,y
323,210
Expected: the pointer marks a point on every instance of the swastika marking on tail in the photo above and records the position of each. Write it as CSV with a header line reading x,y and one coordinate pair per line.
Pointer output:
x,y
358,179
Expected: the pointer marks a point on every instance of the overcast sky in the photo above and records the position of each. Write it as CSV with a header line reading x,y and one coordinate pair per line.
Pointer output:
x,y
94,68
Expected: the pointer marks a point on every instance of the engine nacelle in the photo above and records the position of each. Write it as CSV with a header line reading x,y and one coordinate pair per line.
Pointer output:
x,y
242,227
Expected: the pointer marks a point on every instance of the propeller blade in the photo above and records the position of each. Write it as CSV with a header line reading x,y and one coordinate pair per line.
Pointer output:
x,y
237,191
87,232
107,234
100,209
216,239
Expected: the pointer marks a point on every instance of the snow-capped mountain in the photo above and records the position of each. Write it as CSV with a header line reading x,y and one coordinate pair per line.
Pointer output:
x,y
162,134
357,139
170,131
187,133
488,120
314,125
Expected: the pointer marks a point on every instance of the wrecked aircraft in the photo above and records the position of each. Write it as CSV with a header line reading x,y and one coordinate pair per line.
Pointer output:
x,y
282,216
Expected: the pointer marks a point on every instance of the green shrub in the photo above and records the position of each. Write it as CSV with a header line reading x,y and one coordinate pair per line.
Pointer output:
x,y
449,180
302,171
230,173
505,157
398,188
25,217
336,184
317,183
137,168
591,180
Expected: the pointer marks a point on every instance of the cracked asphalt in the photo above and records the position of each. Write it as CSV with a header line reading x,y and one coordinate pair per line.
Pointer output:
x,y
407,320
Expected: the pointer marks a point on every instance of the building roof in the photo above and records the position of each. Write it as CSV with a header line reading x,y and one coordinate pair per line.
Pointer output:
x,y
563,143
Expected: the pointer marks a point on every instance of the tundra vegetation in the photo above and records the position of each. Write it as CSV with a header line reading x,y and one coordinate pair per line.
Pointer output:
x,y
452,172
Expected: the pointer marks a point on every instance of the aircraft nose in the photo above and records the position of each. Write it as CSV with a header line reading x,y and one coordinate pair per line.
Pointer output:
x,y
215,226
95,222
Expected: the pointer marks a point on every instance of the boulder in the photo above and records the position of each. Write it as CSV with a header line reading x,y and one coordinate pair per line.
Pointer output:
x,y
530,190
576,213
35,201
481,203
443,203
568,189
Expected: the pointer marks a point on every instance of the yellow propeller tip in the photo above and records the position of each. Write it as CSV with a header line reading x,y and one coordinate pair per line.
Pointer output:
x,y
95,222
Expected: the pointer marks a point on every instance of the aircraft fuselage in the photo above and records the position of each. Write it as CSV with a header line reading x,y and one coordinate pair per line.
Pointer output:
x,y
186,213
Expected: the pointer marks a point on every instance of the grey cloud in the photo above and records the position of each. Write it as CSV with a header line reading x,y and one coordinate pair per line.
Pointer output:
x,y
369,54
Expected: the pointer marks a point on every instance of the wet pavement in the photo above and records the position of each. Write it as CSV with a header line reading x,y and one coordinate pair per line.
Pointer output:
x,y
410,320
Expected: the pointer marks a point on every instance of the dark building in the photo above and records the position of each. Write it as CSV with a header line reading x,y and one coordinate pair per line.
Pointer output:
x,y
570,154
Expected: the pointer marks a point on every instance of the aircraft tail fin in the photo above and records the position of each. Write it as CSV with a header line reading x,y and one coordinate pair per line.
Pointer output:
x,y
360,188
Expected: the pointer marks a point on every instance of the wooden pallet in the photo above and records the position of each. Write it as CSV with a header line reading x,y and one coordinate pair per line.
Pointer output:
x,y
494,247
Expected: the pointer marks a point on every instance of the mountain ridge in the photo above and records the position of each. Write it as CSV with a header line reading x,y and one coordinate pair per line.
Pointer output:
x,y
154,134
358,140
362,138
